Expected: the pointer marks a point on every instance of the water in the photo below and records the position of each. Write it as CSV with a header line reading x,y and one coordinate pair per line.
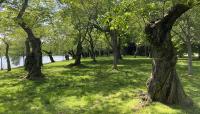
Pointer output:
x,y
17,62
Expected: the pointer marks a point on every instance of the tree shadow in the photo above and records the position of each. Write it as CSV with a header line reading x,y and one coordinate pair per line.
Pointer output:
x,y
102,89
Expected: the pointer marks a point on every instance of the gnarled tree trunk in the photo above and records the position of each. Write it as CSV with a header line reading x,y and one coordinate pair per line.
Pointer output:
x,y
164,84
33,60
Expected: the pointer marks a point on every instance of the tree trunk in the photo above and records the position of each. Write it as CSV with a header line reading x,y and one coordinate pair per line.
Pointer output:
x,y
199,52
136,51
164,84
49,53
7,57
119,55
71,52
33,60
1,63
189,49
115,50
93,55
27,52
78,53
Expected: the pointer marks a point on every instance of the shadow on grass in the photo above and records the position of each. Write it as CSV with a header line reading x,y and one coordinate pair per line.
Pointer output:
x,y
92,88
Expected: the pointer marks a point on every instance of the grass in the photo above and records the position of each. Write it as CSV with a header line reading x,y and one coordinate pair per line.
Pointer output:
x,y
93,88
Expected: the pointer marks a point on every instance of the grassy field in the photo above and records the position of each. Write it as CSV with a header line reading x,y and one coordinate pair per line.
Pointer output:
x,y
91,89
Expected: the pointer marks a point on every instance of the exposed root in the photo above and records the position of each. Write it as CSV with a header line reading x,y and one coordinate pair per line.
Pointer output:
x,y
145,101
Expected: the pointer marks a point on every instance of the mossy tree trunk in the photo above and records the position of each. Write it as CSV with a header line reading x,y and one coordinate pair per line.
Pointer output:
x,y
33,60
164,84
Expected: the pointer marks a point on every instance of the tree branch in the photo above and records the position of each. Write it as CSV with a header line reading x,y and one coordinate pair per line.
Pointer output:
x,y
21,21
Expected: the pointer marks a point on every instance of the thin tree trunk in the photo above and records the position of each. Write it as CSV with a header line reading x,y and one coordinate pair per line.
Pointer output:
x,y
136,51
119,55
93,55
1,63
189,48
115,50
199,52
49,53
164,84
7,57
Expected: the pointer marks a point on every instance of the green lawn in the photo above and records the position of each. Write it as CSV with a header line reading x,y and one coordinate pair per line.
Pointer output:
x,y
91,89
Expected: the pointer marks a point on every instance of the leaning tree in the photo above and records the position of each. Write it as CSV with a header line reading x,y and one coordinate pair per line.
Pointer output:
x,y
164,84
33,60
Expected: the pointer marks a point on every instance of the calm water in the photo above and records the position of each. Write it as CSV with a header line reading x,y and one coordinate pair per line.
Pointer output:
x,y
17,62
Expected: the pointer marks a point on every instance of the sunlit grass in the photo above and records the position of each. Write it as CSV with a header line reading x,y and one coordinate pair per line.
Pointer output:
x,y
93,88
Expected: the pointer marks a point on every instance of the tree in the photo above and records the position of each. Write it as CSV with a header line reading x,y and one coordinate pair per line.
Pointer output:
x,y
164,84
7,46
186,36
49,53
33,60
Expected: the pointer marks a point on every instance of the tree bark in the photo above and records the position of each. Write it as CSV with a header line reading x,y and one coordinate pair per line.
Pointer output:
x,y
49,53
115,49
164,84
33,60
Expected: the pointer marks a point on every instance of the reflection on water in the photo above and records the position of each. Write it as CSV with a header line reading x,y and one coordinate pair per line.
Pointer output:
x,y
19,61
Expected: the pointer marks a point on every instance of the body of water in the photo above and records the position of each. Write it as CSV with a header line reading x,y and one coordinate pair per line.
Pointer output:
x,y
17,62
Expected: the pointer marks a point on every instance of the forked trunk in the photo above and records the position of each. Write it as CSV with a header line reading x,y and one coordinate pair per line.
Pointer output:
x,y
164,84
